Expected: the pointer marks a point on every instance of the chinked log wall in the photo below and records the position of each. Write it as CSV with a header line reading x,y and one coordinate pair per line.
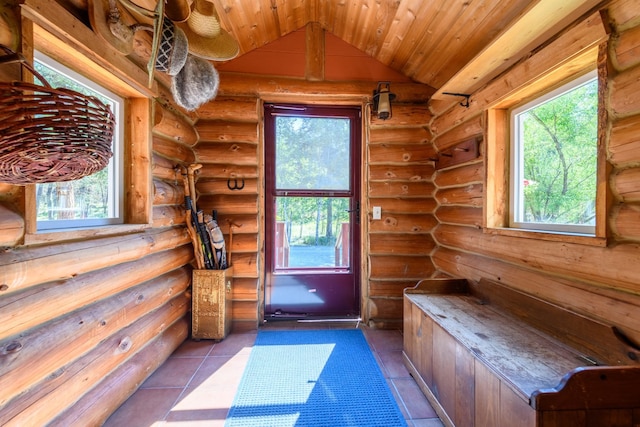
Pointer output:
x,y
398,174
84,323
602,282
229,150
400,171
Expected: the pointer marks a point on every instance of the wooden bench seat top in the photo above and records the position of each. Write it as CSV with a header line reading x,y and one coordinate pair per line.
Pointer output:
x,y
527,359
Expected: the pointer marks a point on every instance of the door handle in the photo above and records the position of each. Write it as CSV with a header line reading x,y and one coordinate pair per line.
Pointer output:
x,y
357,212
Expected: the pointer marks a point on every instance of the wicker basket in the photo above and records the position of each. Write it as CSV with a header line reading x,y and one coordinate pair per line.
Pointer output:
x,y
50,135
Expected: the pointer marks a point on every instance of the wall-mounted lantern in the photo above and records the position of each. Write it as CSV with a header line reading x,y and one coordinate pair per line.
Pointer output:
x,y
382,98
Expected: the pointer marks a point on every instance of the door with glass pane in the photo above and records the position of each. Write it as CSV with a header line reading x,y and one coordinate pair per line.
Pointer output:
x,y
312,210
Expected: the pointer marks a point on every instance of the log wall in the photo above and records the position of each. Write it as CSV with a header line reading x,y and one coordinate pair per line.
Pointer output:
x,y
229,149
398,172
86,321
602,281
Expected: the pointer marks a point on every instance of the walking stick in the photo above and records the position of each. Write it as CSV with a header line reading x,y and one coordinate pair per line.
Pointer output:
x,y
202,248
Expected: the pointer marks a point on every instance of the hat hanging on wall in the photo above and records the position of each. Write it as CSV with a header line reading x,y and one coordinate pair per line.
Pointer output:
x,y
195,84
207,39
177,10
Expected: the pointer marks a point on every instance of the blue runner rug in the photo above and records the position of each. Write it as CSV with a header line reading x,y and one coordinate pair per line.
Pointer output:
x,y
307,378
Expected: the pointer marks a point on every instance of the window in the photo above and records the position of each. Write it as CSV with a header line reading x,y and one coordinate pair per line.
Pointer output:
x,y
554,159
94,200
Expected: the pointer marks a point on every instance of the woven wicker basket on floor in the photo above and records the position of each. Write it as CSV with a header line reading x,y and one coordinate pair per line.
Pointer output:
x,y
50,135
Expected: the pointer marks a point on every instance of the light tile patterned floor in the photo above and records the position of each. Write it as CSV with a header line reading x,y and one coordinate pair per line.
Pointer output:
x,y
197,384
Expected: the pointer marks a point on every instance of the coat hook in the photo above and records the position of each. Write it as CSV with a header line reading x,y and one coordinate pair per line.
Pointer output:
x,y
235,185
464,95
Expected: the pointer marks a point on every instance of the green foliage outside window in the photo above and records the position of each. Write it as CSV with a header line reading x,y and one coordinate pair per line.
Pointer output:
x,y
559,158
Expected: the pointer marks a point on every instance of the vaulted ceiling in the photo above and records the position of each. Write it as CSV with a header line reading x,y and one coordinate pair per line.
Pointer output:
x,y
434,42
450,45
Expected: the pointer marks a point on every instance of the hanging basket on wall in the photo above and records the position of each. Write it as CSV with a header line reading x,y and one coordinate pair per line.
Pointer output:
x,y
50,135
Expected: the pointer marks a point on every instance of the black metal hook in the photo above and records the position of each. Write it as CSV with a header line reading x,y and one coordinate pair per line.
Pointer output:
x,y
464,95
235,185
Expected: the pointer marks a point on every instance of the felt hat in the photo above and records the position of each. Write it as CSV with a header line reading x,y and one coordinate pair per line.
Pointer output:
x,y
172,49
196,83
207,39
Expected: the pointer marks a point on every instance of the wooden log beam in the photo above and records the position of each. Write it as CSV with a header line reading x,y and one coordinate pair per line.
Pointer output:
x,y
468,195
164,168
96,406
22,268
565,260
173,150
171,125
402,154
235,153
314,52
400,136
400,189
542,20
167,216
404,115
626,49
400,244
403,223
394,205
226,171
12,226
41,351
51,300
168,193
470,216
549,65
236,109
413,172
468,174
625,184
56,393
624,222
283,89
623,102
227,131
624,143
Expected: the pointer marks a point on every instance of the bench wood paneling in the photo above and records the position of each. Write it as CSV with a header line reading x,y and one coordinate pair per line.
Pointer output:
x,y
487,355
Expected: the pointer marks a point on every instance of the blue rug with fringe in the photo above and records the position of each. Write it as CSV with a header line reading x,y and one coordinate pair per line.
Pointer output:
x,y
313,378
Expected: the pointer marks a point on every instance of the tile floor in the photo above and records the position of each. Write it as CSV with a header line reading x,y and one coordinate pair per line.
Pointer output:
x,y
197,384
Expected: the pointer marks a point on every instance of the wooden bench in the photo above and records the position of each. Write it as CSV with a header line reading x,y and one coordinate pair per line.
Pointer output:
x,y
488,355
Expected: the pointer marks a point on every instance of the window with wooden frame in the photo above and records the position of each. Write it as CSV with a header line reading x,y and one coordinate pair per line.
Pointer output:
x,y
545,162
94,200
127,206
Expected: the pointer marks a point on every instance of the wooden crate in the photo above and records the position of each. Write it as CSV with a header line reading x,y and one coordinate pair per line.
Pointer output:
x,y
211,304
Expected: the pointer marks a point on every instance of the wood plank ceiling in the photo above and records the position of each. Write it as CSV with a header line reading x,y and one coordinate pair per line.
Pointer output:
x,y
426,40
430,41
450,45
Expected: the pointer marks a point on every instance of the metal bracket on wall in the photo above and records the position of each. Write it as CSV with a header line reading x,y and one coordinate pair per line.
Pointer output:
x,y
459,153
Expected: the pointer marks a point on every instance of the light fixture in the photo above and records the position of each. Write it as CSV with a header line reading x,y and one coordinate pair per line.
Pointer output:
x,y
382,98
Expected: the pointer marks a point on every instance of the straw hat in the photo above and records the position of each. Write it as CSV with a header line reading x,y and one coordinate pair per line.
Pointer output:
x,y
207,39
195,84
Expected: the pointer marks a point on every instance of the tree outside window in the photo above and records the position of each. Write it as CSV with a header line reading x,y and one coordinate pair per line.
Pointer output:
x,y
554,160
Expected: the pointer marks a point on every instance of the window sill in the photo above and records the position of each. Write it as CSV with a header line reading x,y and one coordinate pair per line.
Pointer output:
x,y
62,235
579,239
